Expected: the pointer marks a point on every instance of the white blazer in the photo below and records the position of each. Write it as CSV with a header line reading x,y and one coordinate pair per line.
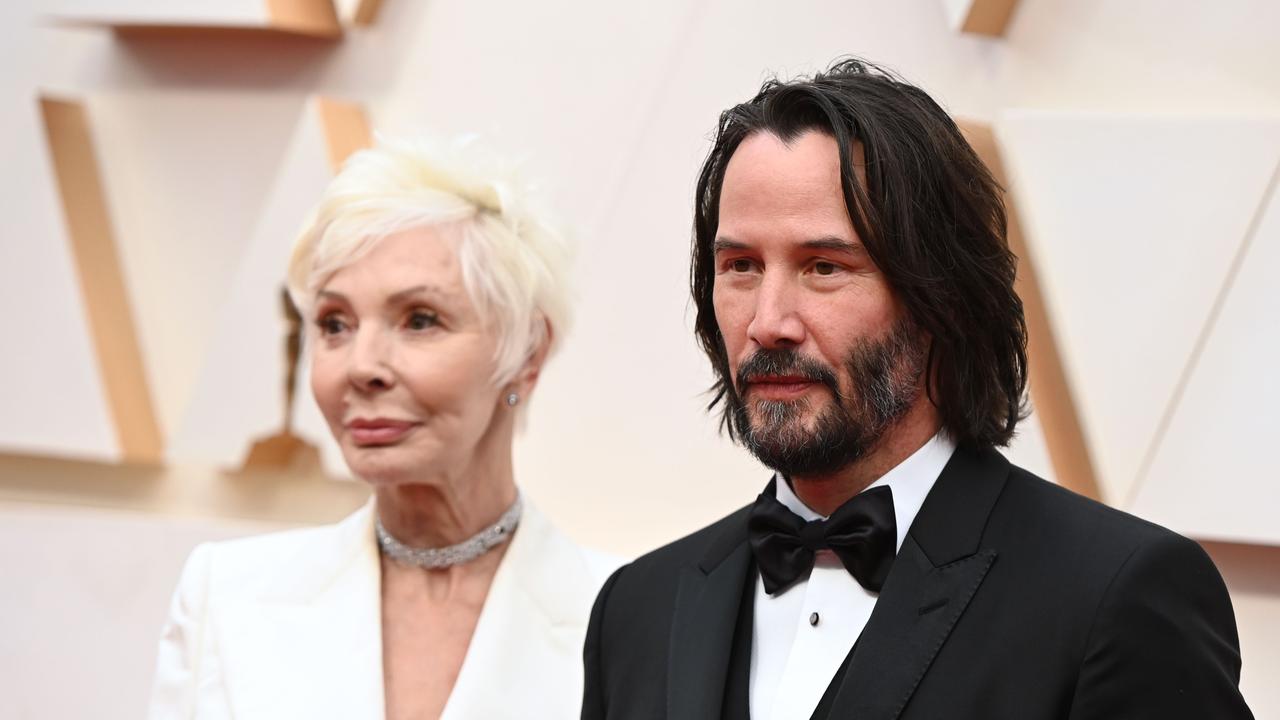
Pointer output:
x,y
289,625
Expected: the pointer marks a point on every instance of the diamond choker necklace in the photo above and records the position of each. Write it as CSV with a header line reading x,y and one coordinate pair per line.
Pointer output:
x,y
463,552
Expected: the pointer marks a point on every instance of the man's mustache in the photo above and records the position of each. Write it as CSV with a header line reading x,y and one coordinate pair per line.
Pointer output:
x,y
784,361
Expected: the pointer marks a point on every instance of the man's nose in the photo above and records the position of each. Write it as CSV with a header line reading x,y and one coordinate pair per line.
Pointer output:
x,y
369,367
776,322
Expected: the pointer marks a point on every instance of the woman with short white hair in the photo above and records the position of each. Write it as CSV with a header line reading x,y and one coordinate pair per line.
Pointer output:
x,y
435,291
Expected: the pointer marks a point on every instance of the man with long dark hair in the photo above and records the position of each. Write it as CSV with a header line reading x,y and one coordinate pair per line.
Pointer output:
x,y
854,293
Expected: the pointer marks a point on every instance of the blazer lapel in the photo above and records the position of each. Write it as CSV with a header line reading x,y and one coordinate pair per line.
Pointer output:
x,y
706,612
937,572
310,645
526,653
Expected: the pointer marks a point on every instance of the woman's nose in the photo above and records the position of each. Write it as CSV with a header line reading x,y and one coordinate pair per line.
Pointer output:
x,y
369,368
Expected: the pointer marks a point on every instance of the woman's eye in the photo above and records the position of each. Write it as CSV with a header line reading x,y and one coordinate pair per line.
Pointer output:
x,y
421,320
331,324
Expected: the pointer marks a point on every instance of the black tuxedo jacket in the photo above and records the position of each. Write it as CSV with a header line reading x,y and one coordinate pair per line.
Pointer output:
x,y
1010,598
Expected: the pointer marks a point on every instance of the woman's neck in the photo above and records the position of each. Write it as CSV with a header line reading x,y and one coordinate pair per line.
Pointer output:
x,y
448,508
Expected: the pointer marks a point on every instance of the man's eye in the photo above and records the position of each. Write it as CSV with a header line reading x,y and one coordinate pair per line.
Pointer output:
x,y
740,265
824,268
421,320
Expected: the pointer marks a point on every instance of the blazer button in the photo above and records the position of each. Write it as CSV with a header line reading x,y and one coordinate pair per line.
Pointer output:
x,y
813,619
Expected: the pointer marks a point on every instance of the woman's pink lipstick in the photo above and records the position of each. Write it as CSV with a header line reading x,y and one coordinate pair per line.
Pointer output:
x,y
379,431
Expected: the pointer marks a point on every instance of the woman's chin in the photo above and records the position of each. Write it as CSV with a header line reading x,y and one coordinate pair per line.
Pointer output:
x,y
381,468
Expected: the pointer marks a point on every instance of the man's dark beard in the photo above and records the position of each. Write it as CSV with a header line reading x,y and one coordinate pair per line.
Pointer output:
x,y
886,379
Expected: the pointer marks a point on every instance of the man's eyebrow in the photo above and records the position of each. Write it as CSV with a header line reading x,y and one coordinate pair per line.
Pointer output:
x,y
830,242
724,243
835,243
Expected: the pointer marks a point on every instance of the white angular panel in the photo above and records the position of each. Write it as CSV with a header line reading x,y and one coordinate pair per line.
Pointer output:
x,y
52,397
307,17
239,394
184,212
1133,221
979,17
957,11
1216,473
224,12
357,12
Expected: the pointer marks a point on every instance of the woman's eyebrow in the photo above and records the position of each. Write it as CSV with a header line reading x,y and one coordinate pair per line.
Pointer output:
x,y
402,295
395,298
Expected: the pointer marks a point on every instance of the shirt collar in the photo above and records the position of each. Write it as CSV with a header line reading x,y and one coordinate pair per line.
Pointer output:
x,y
910,481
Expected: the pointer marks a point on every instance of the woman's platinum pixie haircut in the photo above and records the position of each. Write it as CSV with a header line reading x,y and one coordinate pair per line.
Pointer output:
x,y
514,261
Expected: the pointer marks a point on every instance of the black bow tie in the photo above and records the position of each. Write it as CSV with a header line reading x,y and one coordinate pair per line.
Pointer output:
x,y
862,533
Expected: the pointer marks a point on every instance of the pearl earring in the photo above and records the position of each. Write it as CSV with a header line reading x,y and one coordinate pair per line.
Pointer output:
x,y
512,399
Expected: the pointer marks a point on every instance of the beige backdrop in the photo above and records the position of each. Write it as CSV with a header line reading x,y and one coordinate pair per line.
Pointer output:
x,y
1140,137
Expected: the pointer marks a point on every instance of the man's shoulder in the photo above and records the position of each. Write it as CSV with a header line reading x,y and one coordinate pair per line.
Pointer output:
x,y
1057,528
635,610
723,533
657,572
1061,512
1136,606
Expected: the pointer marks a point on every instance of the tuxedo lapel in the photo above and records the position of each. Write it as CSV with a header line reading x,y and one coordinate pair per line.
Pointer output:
x,y
912,619
938,570
706,613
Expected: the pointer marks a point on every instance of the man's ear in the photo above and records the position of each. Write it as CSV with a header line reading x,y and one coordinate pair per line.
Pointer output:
x,y
527,378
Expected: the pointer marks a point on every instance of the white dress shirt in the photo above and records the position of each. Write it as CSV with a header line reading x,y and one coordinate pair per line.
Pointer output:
x,y
802,635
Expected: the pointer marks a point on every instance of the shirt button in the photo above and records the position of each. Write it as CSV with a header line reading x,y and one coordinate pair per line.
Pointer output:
x,y
813,619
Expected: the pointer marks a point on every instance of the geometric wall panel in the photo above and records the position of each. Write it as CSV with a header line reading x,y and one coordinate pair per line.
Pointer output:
x,y
1134,222
357,12
1050,441
52,391
1215,472
239,394
102,283
309,18
186,173
979,17
1029,450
